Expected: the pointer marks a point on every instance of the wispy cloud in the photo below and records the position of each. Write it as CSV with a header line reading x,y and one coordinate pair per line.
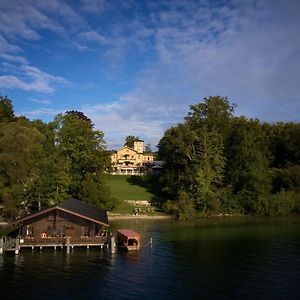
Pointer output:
x,y
39,113
95,6
93,36
32,79
174,52
247,51
41,101
14,58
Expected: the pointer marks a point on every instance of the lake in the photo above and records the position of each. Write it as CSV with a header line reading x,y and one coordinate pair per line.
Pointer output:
x,y
215,258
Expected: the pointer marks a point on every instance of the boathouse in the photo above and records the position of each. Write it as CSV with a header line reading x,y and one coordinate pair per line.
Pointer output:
x,y
128,239
70,223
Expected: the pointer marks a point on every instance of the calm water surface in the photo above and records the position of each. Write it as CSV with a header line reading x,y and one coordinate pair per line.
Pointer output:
x,y
235,258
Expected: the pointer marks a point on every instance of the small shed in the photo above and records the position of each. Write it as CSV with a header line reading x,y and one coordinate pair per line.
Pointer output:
x,y
127,238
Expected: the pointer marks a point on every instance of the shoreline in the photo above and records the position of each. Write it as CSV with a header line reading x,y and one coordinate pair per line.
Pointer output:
x,y
112,217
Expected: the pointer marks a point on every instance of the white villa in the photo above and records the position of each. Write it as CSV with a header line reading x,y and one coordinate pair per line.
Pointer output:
x,y
132,161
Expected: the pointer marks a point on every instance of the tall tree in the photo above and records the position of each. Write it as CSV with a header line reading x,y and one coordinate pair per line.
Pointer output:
x,y
84,148
214,112
20,153
247,169
130,139
148,148
6,110
208,169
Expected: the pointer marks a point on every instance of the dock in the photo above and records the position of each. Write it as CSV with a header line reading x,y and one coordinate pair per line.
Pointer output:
x,y
8,244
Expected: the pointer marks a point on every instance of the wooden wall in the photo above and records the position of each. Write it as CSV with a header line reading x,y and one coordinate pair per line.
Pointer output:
x,y
60,223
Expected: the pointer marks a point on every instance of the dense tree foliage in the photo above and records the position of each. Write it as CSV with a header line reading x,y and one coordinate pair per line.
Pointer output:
x,y
130,139
218,163
43,164
214,162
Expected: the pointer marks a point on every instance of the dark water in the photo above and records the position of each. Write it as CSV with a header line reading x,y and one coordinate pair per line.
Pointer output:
x,y
212,259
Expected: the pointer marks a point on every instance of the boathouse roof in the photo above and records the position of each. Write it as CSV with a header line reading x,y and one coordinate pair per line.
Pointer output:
x,y
74,207
128,233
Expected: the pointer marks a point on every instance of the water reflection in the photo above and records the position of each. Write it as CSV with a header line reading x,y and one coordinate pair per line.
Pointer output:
x,y
212,258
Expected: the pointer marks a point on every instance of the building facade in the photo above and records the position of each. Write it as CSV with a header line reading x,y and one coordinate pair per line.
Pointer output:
x,y
132,161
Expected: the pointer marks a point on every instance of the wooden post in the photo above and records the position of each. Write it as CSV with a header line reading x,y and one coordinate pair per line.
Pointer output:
x,y
1,245
112,245
17,248
151,243
68,244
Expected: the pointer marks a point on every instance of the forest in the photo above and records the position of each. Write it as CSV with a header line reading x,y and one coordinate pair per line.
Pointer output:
x,y
214,163
43,164
217,163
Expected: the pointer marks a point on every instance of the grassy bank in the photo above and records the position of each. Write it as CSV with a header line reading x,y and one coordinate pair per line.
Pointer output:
x,y
126,187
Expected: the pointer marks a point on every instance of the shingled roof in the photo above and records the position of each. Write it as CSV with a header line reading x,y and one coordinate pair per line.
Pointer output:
x,y
74,207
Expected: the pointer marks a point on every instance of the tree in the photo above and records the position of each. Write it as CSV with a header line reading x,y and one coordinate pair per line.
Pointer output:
x,y
247,168
214,112
20,153
84,149
6,110
208,169
130,139
148,148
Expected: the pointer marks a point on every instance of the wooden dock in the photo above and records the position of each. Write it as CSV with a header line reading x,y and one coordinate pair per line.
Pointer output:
x,y
16,244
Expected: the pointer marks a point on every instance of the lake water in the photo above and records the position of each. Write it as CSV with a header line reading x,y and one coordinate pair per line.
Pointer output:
x,y
231,258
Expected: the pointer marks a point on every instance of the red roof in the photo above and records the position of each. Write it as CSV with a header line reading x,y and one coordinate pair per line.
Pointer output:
x,y
128,233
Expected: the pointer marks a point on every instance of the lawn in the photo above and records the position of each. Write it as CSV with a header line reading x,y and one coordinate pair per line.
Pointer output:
x,y
129,187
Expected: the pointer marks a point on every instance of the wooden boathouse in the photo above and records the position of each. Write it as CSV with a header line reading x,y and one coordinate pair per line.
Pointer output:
x,y
128,239
69,224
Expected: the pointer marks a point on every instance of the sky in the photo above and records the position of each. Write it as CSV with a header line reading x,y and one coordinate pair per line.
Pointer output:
x,y
134,67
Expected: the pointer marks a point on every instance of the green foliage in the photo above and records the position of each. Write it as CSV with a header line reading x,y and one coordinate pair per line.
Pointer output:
x,y
247,169
231,164
148,148
6,110
280,204
43,164
84,149
183,208
130,139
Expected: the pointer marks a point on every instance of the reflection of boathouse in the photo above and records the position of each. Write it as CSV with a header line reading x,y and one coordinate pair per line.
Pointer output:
x,y
132,161
71,223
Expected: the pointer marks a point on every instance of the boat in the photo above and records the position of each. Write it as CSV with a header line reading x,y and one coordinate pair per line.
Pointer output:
x,y
128,239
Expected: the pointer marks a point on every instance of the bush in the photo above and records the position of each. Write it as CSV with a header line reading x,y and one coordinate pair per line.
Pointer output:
x,y
183,208
279,204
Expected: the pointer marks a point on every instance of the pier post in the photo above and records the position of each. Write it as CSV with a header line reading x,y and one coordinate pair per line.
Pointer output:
x,y
17,248
112,245
1,245
151,243
68,244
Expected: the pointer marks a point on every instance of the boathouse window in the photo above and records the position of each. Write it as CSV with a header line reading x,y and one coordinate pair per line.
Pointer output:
x,y
87,230
29,231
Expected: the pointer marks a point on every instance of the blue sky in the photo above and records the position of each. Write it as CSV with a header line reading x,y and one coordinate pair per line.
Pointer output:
x,y
135,66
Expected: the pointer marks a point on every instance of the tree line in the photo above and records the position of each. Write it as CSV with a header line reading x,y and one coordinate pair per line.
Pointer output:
x,y
43,164
218,163
214,163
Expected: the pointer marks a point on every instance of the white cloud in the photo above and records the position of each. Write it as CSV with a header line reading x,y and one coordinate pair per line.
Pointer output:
x,y
32,79
95,6
6,47
248,51
39,113
41,101
93,36
14,58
